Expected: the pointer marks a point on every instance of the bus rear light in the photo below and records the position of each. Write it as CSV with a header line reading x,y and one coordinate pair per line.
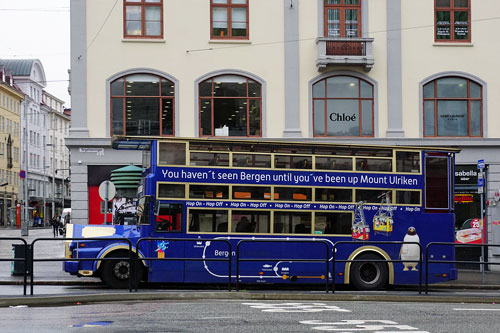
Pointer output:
x,y
445,275
261,273
340,274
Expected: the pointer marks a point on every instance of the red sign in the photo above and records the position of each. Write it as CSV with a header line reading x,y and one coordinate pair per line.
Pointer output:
x,y
22,174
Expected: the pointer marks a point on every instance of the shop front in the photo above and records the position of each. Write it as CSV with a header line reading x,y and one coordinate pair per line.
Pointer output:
x,y
469,228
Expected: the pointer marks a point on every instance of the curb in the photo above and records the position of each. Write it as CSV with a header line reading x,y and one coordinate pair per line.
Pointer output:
x,y
36,301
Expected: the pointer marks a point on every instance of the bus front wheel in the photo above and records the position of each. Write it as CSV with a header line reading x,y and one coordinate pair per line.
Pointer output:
x,y
116,272
369,275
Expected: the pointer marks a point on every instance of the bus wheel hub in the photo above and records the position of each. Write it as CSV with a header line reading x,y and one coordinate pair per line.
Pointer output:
x,y
121,270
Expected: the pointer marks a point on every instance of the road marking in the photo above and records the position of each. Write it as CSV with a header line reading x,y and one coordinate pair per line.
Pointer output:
x,y
295,307
215,318
459,309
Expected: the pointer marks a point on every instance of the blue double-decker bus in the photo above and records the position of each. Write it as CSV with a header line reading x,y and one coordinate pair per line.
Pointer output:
x,y
286,200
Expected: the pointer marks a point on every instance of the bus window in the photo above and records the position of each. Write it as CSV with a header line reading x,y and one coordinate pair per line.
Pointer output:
x,y
332,223
292,194
209,159
333,163
334,194
208,192
292,223
168,218
252,192
408,197
436,182
368,164
250,221
167,190
407,161
293,149
251,161
371,196
208,220
292,162
172,153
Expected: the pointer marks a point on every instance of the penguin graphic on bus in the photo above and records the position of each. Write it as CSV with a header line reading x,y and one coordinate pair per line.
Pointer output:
x,y
410,252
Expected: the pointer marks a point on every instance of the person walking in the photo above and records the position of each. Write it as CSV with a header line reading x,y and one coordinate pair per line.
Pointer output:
x,y
55,225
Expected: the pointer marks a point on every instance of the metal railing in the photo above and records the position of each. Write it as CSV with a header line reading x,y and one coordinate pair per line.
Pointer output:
x,y
27,263
190,258
382,260
330,255
131,257
326,260
431,244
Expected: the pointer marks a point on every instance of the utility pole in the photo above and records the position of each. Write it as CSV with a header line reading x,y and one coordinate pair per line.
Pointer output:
x,y
53,165
24,222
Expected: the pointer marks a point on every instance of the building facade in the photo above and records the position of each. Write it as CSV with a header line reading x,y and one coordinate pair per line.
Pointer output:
x,y
395,72
43,127
10,144
56,153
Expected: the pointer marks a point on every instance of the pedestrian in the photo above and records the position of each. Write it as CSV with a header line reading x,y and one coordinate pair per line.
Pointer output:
x,y
54,222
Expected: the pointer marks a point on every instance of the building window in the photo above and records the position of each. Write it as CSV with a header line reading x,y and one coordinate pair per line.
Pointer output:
x,y
452,19
453,107
143,18
229,19
230,105
142,104
343,18
343,106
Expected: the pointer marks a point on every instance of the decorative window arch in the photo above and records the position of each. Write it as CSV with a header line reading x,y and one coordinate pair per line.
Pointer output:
x,y
230,105
343,106
142,104
453,106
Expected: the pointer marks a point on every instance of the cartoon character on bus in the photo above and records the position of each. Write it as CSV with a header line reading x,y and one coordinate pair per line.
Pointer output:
x,y
410,252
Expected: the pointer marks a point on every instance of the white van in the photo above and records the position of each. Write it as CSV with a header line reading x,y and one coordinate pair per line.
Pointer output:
x,y
64,220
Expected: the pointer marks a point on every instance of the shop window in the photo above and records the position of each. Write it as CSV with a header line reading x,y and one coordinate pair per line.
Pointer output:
x,y
142,105
143,18
342,18
342,106
453,107
452,20
229,19
230,105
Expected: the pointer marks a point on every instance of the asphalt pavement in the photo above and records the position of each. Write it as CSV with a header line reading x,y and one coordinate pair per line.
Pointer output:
x,y
53,286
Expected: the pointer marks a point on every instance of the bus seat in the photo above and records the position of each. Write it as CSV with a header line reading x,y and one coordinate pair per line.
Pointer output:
x,y
300,229
278,227
214,161
251,227
222,227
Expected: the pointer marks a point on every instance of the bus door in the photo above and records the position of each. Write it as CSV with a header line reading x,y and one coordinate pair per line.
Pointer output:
x,y
167,225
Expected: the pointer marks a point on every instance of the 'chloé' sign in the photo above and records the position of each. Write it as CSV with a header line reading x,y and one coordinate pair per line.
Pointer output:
x,y
342,117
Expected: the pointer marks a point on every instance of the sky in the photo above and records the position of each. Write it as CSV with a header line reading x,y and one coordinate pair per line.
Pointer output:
x,y
39,29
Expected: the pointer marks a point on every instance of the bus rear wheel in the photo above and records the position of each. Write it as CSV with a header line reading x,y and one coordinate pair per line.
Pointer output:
x,y
116,272
369,275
